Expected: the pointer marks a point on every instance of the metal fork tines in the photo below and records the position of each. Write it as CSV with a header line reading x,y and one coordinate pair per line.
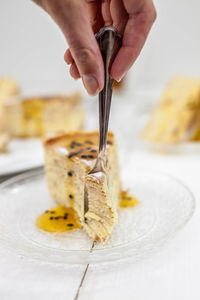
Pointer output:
x,y
109,42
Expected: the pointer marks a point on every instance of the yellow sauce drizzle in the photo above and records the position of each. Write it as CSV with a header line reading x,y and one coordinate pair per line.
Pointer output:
x,y
33,110
127,200
58,219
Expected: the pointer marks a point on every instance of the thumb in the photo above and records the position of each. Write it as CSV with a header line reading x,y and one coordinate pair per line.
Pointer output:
x,y
72,17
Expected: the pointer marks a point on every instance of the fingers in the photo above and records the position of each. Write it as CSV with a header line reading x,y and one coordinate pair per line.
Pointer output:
x,y
74,71
95,16
142,14
106,13
72,18
68,57
84,50
78,21
97,22
119,15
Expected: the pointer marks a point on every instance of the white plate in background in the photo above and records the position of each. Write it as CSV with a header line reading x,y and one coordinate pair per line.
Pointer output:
x,y
23,154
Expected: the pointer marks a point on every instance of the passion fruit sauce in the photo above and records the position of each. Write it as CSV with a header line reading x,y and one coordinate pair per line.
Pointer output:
x,y
61,219
58,219
127,200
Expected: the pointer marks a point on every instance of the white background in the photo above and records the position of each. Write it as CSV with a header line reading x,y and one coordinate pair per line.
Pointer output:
x,y
31,49
32,46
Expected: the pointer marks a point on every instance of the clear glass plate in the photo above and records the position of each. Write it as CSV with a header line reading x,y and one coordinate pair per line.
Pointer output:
x,y
165,206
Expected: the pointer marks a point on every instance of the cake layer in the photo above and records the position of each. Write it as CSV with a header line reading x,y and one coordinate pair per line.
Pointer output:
x,y
39,115
68,159
176,118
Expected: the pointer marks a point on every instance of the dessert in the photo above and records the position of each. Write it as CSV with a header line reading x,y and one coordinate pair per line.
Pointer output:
x,y
177,115
4,140
68,159
39,115
8,88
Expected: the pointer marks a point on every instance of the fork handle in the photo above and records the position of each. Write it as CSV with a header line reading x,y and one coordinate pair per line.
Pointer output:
x,y
109,42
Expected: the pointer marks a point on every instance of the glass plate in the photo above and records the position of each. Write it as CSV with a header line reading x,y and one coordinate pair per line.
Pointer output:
x,y
165,206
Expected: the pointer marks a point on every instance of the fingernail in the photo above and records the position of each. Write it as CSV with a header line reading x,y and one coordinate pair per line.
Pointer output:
x,y
90,83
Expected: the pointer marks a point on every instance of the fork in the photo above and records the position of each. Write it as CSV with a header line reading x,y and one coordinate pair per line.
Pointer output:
x,y
109,42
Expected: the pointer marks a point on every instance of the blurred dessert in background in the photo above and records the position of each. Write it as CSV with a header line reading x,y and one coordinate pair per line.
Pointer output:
x,y
4,140
8,87
29,117
68,159
176,117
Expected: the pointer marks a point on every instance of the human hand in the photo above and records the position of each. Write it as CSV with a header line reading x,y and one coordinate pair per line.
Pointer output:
x,y
80,19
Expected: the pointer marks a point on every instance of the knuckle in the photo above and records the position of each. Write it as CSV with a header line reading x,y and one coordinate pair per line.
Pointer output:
x,y
85,55
65,56
147,19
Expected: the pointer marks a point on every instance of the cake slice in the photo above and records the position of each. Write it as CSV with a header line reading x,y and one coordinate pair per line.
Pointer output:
x,y
4,140
29,117
8,88
177,115
68,159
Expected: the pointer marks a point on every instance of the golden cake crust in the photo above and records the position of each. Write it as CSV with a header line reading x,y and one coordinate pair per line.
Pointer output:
x,y
55,138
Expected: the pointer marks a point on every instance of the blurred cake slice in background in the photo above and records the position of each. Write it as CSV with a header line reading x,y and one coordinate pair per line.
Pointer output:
x,y
29,117
176,117
8,88
68,159
4,140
